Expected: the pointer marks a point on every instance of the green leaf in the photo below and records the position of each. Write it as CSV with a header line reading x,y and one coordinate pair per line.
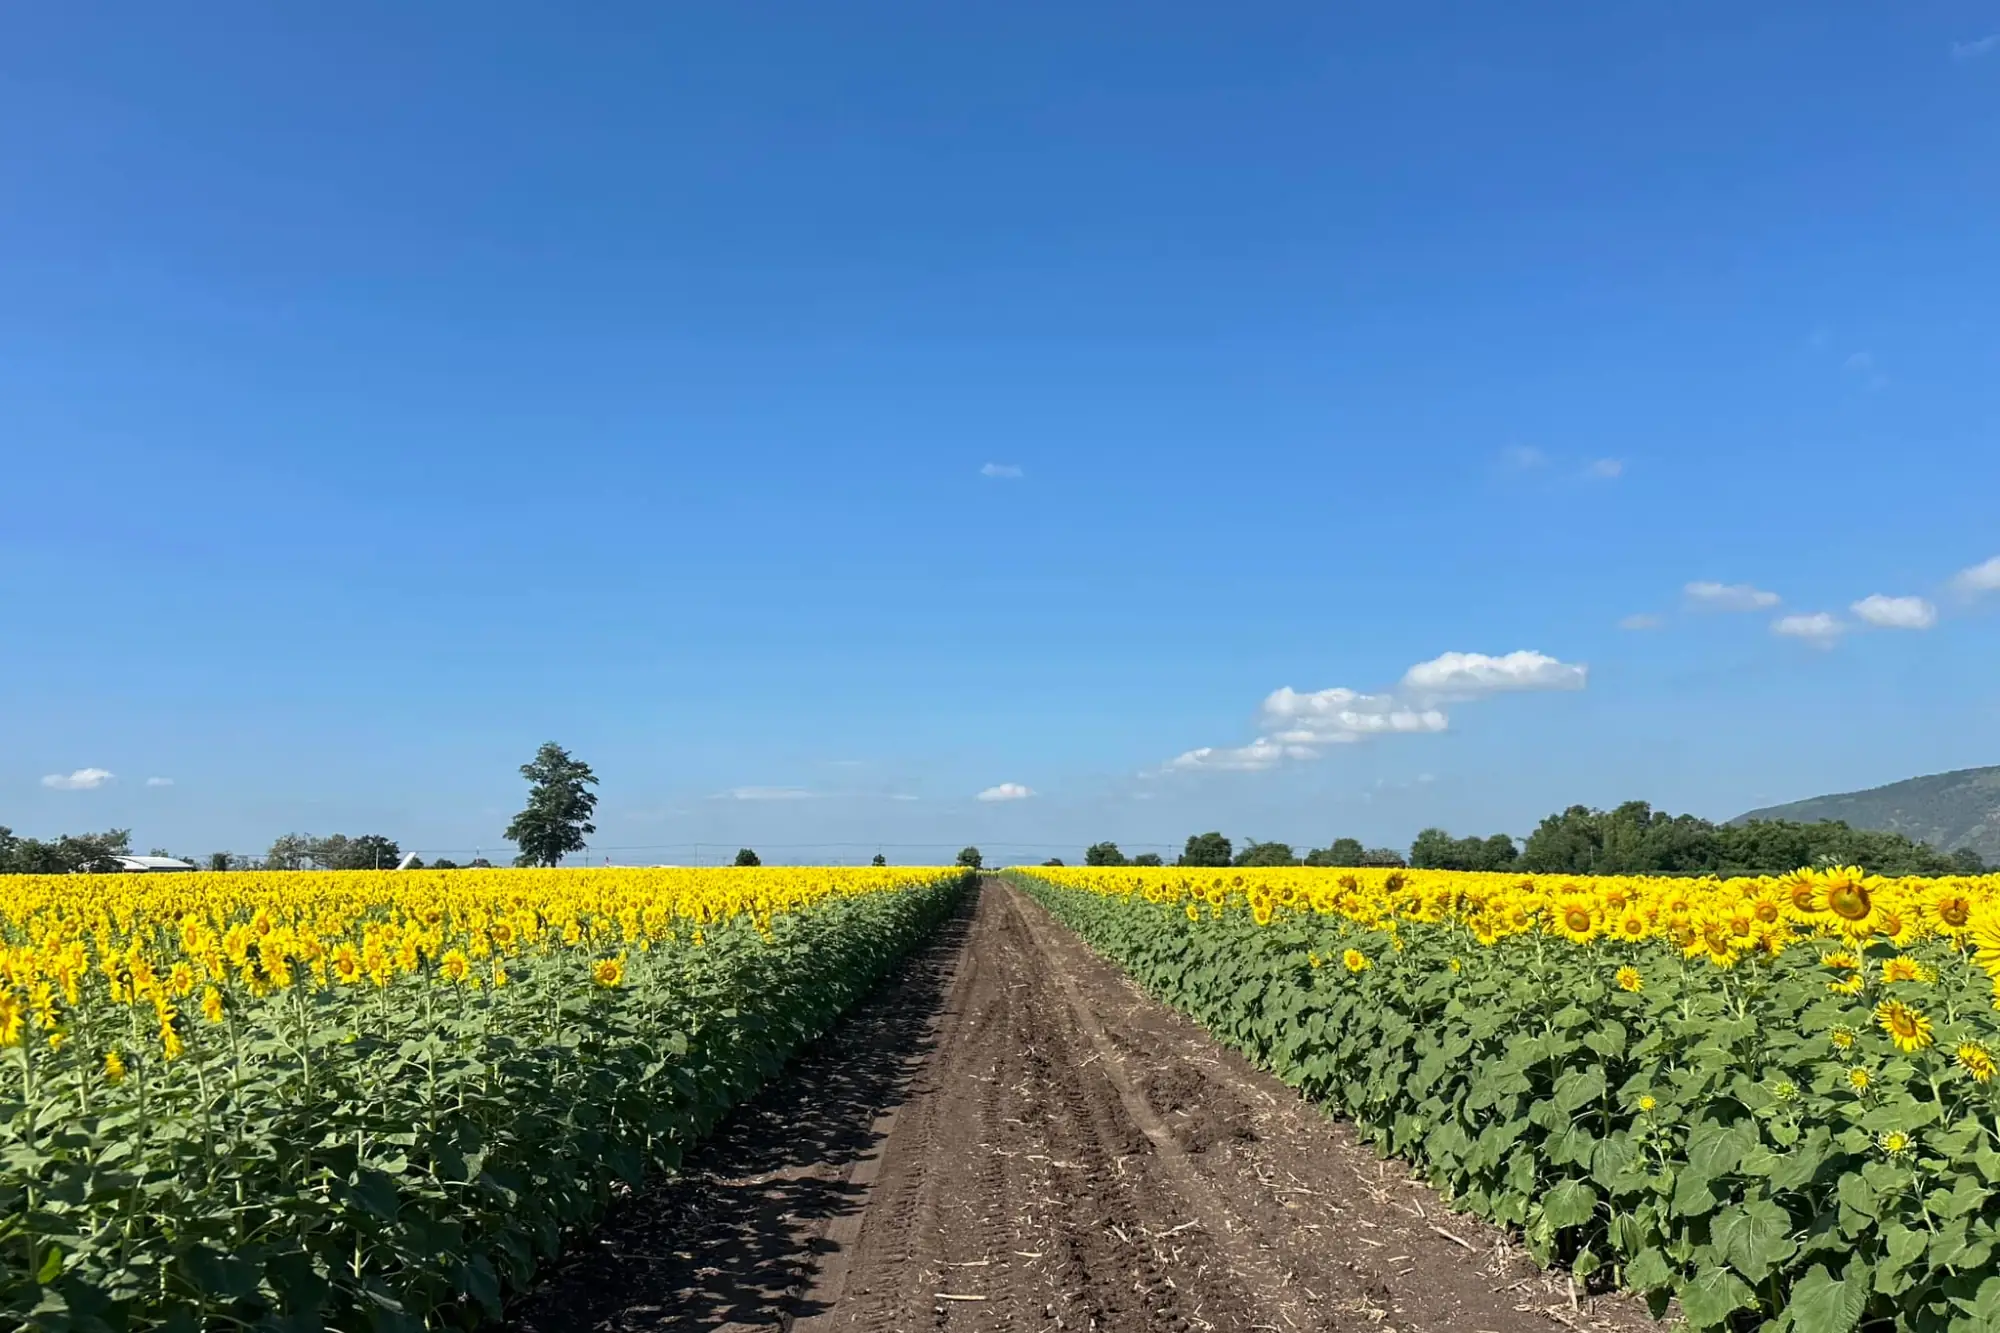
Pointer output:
x,y
1753,1238
1578,1089
1649,1270
1822,1303
1714,1295
1569,1204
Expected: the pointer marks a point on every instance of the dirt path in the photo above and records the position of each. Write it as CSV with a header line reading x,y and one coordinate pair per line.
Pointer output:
x,y
1011,1136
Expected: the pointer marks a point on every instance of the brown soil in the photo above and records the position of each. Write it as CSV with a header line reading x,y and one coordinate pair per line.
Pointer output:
x,y
1011,1136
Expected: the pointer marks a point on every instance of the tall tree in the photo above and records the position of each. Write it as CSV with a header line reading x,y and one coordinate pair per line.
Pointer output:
x,y
1256,853
746,857
1206,849
880,860
1103,854
971,859
1148,859
1343,852
290,851
556,819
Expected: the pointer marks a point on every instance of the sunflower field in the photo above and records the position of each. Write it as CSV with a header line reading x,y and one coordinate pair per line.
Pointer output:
x,y
378,1100
1770,1099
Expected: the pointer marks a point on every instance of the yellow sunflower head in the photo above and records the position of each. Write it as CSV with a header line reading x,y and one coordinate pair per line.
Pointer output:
x,y
1629,979
1909,1028
1355,961
1976,1059
608,973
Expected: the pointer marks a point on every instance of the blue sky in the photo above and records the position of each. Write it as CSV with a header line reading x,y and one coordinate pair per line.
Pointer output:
x,y
817,416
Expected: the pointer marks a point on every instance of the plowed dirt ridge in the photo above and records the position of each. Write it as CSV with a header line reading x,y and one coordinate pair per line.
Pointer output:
x,y
1011,1136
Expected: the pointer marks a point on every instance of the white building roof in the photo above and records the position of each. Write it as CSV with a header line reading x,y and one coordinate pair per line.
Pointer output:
x,y
152,863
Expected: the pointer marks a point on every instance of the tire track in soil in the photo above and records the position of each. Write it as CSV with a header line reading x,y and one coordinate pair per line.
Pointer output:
x,y
1012,1137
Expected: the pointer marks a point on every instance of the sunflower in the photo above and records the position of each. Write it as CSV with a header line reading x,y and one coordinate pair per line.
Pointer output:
x,y
1839,961
1976,1059
1849,899
1904,968
1860,1079
1842,1038
1647,1103
211,1005
1950,911
114,1067
608,973
1193,912
1260,911
346,964
1575,922
1629,979
1907,1027
1848,985
1631,926
1801,892
1894,1142
455,966
1355,961
12,1015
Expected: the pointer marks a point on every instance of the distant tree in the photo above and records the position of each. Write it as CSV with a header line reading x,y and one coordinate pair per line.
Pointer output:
x,y
880,860
221,861
444,863
1436,849
970,859
1206,849
1103,854
370,851
1379,857
290,851
1256,853
479,863
1148,859
1967,861
746,857
416,863
1053,861
1343,852
556,819
68,854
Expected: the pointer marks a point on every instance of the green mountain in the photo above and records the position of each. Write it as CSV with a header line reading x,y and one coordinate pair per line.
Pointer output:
x,y
1946,810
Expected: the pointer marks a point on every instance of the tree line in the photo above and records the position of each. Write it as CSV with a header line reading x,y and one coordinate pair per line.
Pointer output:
x,y
1630,839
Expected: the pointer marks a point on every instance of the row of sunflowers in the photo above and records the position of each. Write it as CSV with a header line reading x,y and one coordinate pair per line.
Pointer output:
x,y
375,1100
1770,1099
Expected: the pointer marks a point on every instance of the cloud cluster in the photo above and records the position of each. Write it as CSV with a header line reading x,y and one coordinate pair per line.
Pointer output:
x,y
1002,471
1823,629
1007,791
1300,725
1730,597
83,779
764,794
1981,578
1895,612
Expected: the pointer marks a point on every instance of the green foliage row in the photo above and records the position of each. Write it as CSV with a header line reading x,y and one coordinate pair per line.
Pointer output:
x,y
1702,1138
397,1159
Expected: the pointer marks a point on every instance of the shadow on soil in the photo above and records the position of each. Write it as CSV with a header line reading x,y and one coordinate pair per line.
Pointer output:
x,y
732,1238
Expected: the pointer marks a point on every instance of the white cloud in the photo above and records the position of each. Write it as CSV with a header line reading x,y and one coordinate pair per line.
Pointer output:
x,y
1818,629
1606,469
84,779
1004,471
1007,791
1260,754
1976,48
1731,596
1523,457
1860,362
159,782
1896,612
1470,675
1980,578
1298,725
764,794
1340,716
1643,620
